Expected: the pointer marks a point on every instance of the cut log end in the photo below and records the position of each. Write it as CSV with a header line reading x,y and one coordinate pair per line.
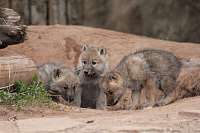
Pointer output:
x,y
14,67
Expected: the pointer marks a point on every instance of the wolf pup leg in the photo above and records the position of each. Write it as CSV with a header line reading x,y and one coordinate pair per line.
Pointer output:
x,y
150,90
135,99
169,89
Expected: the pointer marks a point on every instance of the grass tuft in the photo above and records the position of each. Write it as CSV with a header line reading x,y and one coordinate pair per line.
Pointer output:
x,y
23,95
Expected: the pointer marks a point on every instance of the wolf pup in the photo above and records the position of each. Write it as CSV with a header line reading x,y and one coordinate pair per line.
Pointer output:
x,y
58,80
150,69
92,63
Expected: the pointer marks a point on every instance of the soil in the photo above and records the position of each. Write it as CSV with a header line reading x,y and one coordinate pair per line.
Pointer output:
x,y
63,44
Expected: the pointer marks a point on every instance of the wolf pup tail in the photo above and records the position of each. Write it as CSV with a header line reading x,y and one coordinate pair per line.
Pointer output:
x,y
191,63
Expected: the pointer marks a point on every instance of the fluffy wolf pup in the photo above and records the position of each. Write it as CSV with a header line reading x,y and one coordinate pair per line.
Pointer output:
x,y
148,69
92,63
58,80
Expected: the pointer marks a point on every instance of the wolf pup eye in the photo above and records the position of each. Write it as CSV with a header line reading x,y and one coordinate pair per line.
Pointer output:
x,y
110,93
65,87
84,62
94,62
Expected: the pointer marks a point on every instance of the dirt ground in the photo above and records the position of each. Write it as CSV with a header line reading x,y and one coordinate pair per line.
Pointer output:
x,y
63,44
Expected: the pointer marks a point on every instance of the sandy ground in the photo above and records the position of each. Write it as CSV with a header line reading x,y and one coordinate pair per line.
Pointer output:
x,y
63,44
181,116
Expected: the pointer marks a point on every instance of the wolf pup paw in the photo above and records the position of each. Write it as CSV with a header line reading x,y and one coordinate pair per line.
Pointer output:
x,y
159,103
129,107
126,107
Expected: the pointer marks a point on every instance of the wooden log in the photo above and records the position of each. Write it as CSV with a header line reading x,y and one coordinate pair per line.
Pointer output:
x,y
10,31
15,66
10,35
9,15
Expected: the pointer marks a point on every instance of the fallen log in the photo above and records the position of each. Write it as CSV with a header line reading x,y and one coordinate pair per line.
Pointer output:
x,y
10,31
14,67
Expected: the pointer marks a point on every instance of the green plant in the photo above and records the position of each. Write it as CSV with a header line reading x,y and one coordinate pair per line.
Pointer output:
x,y
23,95
167,115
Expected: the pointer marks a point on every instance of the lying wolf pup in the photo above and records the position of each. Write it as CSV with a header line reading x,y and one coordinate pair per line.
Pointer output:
x,y
150,69
58,80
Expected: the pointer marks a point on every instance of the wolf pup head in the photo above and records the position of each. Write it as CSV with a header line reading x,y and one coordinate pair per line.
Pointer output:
x,y
64,83
112,86
93,60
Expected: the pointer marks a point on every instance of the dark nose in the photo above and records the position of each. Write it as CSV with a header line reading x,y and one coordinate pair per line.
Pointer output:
x,y
71,99
86,72
108,104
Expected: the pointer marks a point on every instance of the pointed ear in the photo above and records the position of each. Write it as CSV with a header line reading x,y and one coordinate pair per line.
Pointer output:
x,y
113,76
102,50
77,71
85,46
57,73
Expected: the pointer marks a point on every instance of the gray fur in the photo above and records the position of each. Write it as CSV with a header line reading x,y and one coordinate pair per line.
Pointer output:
x,y
149,69
92,63
58,80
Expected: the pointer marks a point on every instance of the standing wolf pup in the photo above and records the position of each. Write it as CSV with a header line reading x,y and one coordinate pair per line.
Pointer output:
x,y
58,80
92,63
150,69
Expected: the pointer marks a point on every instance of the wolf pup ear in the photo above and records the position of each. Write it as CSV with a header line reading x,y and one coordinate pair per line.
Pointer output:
x,y
85,46
77,71
102,50
113,77
57,73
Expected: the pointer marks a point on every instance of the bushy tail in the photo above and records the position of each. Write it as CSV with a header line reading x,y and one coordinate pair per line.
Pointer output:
x,y
191,63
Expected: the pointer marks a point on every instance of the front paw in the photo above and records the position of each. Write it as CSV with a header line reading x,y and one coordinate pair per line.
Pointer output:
x,y
126,107
144,106
159,103
130,107
101,108
75,104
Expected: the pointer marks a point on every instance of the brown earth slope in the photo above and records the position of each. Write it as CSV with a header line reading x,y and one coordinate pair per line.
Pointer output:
x,y
63,44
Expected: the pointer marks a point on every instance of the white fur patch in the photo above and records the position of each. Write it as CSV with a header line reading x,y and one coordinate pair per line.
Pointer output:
x,y
112,83
61,78
148,107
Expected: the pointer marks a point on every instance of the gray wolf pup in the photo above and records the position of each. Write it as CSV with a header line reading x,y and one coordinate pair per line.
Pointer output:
x,y
148,69
58,80
92,63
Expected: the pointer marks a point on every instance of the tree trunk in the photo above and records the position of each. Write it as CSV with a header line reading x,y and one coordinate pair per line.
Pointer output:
x,y
15,66
10,31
